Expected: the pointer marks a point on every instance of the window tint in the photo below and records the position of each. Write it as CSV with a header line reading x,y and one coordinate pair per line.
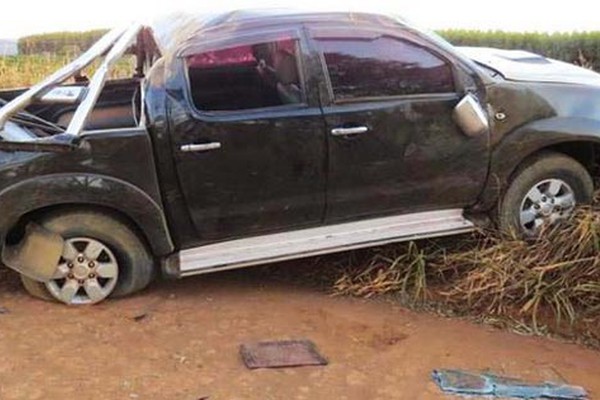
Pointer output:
x,y
246,77
384,66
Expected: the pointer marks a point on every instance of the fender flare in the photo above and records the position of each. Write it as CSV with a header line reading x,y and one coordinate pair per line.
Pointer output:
x,y
87,190
516,146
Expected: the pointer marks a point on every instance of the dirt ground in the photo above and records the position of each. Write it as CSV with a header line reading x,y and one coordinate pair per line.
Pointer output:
x,y
180,340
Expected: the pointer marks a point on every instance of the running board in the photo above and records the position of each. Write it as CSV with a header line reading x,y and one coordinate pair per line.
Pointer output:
x,y
322,240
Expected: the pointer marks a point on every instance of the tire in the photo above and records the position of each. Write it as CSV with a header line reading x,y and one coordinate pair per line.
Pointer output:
x,y
36,289
541,171
135,263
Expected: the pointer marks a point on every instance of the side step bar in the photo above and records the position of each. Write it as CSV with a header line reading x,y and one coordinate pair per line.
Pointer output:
x,y
322,240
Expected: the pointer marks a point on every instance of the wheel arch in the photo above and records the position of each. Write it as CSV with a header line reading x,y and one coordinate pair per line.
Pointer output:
x,y
16,231
575,137
31,199
584,152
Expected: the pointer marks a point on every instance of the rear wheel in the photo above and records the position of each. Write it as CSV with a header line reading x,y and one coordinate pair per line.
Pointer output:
x,y
102,257
544,190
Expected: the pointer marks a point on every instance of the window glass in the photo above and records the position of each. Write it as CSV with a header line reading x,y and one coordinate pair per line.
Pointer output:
x,y
384,66
246,77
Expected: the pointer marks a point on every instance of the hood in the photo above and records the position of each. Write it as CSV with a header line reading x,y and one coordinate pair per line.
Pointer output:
x,y
518,65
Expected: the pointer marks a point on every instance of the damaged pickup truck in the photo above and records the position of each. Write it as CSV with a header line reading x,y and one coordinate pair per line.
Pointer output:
x,y
252,137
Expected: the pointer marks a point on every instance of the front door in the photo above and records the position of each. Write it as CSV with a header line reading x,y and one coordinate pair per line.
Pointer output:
x,y
393,145
251,146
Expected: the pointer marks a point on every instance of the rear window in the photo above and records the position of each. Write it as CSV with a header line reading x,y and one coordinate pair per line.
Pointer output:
x,y
384,66
246,77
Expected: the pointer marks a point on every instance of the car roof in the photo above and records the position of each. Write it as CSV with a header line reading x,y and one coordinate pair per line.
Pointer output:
x,y
174,31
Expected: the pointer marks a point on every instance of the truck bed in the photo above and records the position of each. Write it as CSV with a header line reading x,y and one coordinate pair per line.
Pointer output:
x,y
115,107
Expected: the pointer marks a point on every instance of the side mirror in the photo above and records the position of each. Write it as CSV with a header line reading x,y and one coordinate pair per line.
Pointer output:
x,y
470,116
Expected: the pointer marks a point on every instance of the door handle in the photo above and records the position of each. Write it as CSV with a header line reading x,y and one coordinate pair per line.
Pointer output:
x,y
192,148
356,130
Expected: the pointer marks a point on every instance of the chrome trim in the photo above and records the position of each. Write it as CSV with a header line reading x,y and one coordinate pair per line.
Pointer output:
x,y
143,116
349,131
97,83
38,90
190,148
322,240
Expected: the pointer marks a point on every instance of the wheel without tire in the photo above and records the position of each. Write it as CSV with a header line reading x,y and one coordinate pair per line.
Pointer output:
x,y
102,257
544,190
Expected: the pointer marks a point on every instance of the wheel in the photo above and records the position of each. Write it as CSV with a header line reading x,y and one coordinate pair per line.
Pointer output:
x,y
544,190
102,257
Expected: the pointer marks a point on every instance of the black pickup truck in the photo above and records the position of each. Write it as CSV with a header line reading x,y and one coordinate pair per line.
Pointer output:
x,y
252,137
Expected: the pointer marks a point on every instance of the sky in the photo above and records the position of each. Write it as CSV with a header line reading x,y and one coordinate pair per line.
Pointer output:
x,y
24,17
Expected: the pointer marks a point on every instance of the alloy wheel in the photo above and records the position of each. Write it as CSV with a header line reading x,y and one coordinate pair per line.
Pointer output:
x,y
544,204
87,272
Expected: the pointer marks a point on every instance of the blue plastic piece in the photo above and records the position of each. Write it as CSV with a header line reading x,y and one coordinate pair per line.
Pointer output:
x,y
468,383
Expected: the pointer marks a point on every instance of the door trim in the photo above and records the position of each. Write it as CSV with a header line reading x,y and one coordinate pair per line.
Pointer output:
x,y
322,240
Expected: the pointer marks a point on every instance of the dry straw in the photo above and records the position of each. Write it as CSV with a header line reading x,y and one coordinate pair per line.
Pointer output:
x,y
555,278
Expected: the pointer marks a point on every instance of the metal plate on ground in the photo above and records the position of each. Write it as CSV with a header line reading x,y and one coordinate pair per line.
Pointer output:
x,y
465,383
281,354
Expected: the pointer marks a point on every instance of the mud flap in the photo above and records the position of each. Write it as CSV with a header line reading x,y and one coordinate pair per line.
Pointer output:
x,y
36,255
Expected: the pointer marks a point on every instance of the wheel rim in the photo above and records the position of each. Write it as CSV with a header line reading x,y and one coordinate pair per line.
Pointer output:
x,y
87,272
546,202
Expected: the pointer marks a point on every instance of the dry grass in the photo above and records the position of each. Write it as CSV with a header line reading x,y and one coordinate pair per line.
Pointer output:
x,y
400,269
25,70
551,284
559,273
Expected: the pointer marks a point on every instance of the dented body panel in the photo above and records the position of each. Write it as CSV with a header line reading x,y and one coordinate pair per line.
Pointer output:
x,y
114,169
36,255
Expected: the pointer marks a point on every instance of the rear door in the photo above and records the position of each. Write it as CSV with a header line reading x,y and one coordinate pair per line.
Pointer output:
x,y
393,145
250,139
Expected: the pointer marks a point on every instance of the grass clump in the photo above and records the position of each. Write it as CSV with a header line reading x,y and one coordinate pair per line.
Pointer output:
x,y
550,284
400,269
559,273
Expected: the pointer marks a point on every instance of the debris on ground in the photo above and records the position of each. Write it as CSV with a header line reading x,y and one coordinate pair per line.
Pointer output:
x,y
281,354
468,383
140,317
147,311
4,310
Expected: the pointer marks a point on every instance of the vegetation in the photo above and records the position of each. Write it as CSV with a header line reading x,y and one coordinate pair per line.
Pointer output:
x,y
550,284
41,55
25,70
582,48
59,43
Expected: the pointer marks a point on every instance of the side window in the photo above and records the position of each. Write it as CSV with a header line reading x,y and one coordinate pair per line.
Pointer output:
x,y
384,66
246,77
